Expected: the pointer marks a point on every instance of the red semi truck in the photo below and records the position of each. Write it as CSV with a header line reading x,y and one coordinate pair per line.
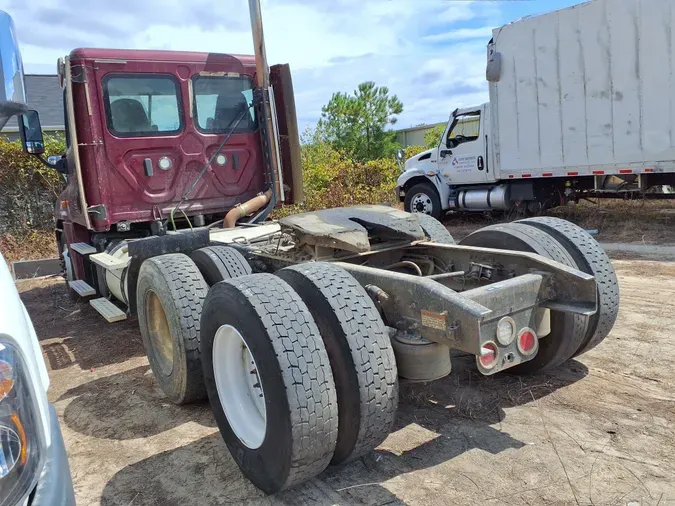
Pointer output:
x,y
297,330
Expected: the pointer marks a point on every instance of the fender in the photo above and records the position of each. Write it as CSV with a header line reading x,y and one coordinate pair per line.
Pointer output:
x,y
430,175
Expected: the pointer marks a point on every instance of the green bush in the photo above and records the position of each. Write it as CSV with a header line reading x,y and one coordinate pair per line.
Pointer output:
x,y
29,188
19,171
432,137
332,179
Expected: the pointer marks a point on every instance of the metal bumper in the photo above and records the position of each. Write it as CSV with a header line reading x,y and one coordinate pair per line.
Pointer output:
x,y
55,487
468,319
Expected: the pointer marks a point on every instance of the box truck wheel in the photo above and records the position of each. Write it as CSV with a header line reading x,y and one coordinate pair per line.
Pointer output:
x,y
218,263
567,329
434,229
423,198
269,381
170,292
360,353
592,259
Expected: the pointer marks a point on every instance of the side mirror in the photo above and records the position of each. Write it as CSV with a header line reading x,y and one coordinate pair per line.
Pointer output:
x,y
400,155
31,133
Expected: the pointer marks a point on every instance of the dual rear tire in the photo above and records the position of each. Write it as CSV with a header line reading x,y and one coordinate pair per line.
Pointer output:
x,y
560,240
325,376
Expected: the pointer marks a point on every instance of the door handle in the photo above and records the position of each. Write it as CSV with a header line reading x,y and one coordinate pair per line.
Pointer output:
x,y
445,152
480,163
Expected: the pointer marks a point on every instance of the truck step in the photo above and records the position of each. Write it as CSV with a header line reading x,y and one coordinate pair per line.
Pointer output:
x,y
107,261
82,288
108,310
83,248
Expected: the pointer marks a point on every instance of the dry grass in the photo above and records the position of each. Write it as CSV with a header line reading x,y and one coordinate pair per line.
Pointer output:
x,y
29,245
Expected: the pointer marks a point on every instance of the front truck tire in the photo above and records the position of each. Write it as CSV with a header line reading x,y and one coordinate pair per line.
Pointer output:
x,y
423,198
269,381
591,259
218,263
567,330
360,352
169,294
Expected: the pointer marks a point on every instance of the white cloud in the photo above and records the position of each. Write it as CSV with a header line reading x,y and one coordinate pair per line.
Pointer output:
x,y
461,34
431,53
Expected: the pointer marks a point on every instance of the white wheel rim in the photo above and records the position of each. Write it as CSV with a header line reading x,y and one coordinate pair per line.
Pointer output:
x,y
421,203
239,388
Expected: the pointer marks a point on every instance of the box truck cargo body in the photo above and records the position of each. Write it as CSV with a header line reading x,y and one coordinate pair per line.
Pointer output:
x,y
582,101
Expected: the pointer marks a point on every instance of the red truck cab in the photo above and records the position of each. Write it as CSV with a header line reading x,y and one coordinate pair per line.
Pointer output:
x,y
142,124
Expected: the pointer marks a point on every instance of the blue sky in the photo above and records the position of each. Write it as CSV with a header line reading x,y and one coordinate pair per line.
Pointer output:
x,y
431,53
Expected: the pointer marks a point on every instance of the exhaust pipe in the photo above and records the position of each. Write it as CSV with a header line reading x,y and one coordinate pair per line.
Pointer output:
x,y
248,207
270,129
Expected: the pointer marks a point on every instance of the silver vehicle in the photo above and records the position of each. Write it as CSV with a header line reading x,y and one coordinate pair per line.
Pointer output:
x,y
33,463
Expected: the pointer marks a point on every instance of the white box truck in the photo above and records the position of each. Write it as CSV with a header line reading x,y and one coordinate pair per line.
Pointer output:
x,y
582,103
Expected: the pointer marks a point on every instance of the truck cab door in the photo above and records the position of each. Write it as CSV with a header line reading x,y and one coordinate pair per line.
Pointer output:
x,y
462,155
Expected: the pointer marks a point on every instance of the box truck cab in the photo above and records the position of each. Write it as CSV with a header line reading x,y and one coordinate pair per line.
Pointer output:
x,y
462,159
580,106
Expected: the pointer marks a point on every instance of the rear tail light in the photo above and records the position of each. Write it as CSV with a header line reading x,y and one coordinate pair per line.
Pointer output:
x,y
488,356
527,341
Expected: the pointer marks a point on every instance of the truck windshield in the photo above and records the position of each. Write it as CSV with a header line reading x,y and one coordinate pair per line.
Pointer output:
x,y
218,102
142,105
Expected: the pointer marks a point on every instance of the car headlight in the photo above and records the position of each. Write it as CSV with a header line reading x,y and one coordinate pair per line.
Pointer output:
x,y
22,438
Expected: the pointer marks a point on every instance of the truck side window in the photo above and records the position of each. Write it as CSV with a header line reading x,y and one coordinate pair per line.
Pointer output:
x,y
464,129
220,100
138,105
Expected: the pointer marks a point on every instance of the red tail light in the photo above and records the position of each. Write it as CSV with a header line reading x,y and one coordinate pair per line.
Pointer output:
x,y
527,341
488,356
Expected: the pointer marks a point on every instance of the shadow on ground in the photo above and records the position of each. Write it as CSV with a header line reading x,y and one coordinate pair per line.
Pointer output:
x,y
85,338
458,414
127,405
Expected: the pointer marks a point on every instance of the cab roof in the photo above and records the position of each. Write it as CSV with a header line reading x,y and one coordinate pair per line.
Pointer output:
x,y
157,55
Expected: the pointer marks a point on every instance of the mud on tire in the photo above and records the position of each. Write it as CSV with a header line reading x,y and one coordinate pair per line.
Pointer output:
x,y
170,292
360,352
294,372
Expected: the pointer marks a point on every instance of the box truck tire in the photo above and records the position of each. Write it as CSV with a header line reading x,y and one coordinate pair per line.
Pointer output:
x,y
567,330
170,293
269,381
592,259
360,353
423,198
218,263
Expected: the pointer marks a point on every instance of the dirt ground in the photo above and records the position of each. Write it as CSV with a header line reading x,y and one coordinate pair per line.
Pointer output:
x,y
598,431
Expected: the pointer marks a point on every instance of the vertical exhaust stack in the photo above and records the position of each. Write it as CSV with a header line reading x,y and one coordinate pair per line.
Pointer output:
x,y
270,130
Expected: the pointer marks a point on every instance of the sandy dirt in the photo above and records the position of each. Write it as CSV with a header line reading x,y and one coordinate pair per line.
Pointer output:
x,y
599,431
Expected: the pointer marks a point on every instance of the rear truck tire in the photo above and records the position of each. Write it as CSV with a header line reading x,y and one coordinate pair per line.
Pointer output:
x,y
218,263
434,229
170,292
360,353
259,322
591,259
423,198
567,330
